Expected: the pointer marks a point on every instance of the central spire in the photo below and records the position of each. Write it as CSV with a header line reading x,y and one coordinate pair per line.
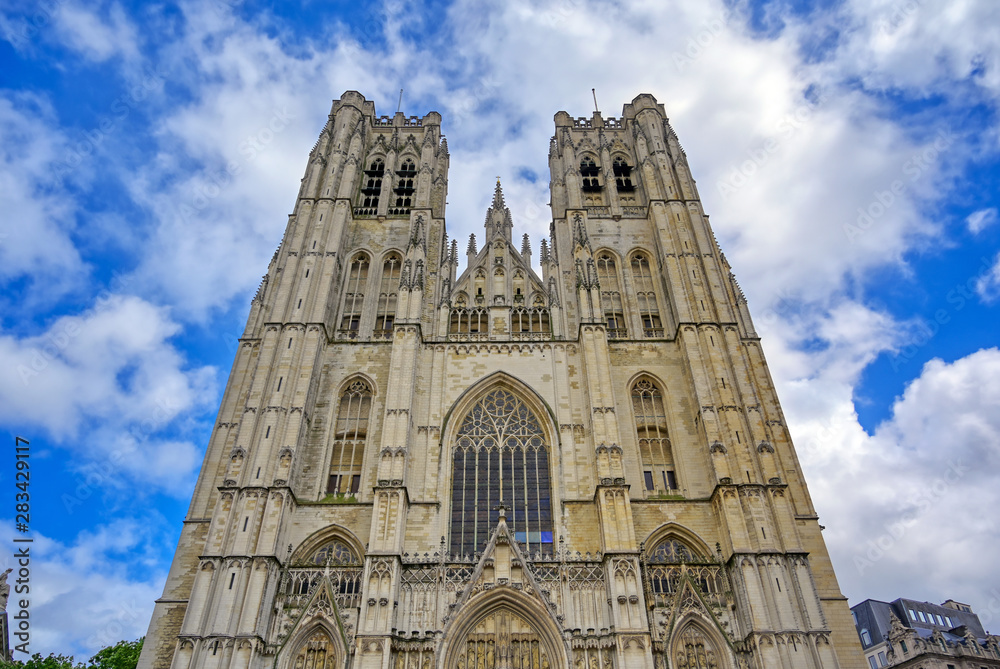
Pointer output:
x,y
498,221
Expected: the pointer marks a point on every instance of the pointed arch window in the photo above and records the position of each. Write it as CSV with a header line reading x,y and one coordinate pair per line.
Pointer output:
x,y
645,296
590,172
404,184
350,435
654,443
611,296
623,175
388,287
354,296
372,187
500,457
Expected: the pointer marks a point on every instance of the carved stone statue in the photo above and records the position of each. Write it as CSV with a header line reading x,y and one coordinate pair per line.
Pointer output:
x,y
4,590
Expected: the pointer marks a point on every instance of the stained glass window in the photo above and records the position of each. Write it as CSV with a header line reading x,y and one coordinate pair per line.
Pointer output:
x,y
500,458
672,550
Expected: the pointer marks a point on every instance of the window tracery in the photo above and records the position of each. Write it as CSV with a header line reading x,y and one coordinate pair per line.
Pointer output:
x,y
389,285
354,296
350,435
611,296
372,187
623,175
404,186
654,442
500,457
645,295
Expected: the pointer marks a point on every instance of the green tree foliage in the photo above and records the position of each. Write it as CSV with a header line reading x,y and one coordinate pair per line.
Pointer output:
x,y
123,655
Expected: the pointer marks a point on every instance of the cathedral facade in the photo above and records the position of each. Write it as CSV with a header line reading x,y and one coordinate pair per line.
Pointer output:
x,y
417,468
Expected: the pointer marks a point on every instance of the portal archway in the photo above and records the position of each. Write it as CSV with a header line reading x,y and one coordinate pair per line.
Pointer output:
x,y
504,637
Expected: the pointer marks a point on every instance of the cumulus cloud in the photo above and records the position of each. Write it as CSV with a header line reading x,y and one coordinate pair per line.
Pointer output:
x,y
907,518
95,590
113,374
36,235
94,36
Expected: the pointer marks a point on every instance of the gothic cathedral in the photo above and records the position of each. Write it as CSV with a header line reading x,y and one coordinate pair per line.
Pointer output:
x,y
416,468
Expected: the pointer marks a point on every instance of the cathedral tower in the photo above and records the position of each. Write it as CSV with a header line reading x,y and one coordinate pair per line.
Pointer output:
x,y
417,468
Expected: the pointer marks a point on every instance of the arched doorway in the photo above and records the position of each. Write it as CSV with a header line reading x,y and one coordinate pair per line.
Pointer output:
x,y
502,639
317,651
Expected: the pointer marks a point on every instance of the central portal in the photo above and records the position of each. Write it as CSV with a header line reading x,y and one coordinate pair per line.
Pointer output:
x,y
503,640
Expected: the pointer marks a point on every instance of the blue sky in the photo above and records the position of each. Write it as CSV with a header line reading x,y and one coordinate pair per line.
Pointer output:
x,y
847,153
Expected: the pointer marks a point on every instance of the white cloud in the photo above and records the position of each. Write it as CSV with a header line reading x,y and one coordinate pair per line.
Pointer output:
x,y
36,235
113,375
94,591
980,220
97,37
904,506
988,283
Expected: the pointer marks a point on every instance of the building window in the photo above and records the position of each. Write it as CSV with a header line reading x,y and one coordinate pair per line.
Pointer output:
x,y
623,176
866,638
354,296
591,175
920,614
673,550
939,619
372,187
389,284
654,442
881,659
526,321
913,616
350,435
500,457
469,322
872,662
645,296
947,621
611,296
404,186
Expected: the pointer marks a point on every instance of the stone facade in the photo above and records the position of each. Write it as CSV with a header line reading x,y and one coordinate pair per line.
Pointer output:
x,y
416,468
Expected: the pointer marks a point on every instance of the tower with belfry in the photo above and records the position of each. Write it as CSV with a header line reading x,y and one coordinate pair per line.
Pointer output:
x,y
577,462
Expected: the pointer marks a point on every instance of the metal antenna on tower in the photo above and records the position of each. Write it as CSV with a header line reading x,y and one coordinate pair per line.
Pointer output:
x,y
596,108
400,104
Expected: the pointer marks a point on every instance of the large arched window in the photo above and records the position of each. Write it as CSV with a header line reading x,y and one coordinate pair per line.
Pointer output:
x,y
354,296
645,296
590,173
350,435
389,285
623,175
654,442
500,458
611,296
372,186
404,185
